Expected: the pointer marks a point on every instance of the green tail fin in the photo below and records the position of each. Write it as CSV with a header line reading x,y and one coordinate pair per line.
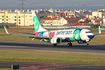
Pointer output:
x,y
37,26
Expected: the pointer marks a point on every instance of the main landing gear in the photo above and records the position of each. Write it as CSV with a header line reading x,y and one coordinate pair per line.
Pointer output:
x,y
87,43
69,44
54,45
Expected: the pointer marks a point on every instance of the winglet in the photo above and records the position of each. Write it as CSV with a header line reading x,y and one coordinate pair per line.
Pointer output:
x,y
6,30
99,32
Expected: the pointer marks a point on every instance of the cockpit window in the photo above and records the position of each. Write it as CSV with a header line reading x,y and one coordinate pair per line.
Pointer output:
x,y
88,32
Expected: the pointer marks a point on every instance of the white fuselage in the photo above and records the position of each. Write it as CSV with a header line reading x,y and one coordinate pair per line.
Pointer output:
x,y
69,34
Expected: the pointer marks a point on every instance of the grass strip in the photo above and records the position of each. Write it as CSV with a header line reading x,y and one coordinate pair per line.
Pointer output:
x,y
50,57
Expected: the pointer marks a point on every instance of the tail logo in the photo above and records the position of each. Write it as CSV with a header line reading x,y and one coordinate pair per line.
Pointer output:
x,y
36,26
36,23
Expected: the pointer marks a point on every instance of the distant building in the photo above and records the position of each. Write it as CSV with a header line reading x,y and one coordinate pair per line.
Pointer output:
x,y
100,21
51,10
44,12
98,14
65,13
54,21
72,20
83,22
18,17
103,21
57,21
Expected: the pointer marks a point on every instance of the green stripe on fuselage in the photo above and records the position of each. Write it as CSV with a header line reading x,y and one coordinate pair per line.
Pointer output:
x,y
77,34
72,38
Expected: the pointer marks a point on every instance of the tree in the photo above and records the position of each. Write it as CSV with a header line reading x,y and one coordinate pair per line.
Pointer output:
x,y
95,26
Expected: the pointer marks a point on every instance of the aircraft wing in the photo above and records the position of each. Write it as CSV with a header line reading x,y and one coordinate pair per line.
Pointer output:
x,y
24,33
40,37
30,36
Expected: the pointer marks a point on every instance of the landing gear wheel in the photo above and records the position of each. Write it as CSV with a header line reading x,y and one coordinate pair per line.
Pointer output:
x,y
69,44
54,45
87,43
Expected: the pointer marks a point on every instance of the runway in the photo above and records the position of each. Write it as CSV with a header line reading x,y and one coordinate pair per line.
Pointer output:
x,y
40,46
35,46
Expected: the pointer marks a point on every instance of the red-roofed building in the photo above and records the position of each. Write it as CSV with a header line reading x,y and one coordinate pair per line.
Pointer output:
x,y
62,11
59,21
71,21
49,18
87,12
65,13
44,12
54,21
83,22
100,21
101,10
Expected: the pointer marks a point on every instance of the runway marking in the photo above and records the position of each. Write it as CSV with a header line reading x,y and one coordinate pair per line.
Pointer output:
x,y
44,66
69,67
56,66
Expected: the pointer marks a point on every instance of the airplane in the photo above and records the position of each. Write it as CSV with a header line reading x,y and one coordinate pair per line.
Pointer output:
x,y
57,36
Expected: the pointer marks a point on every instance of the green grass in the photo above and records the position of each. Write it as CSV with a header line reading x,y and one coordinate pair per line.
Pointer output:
x,y
98,40
50,57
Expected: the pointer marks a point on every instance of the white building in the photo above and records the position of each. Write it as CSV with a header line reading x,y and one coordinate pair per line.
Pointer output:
x,y
98,14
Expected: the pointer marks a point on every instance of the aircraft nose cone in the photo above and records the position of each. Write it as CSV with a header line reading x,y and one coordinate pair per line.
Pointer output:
x,y
90,36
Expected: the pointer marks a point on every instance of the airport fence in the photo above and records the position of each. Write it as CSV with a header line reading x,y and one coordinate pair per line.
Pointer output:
x,y
50,27
58,27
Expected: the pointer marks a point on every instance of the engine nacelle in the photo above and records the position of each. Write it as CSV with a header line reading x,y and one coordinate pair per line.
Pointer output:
x,y
55,40
81,42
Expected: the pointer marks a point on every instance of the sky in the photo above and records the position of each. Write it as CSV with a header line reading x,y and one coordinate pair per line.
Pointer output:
x,y
51,3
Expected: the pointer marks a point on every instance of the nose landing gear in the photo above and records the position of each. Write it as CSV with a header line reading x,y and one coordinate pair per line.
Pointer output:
x,y
87,43
69,44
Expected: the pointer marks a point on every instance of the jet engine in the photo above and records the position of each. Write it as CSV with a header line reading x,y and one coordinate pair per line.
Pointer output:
x,y
81,42
55,40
